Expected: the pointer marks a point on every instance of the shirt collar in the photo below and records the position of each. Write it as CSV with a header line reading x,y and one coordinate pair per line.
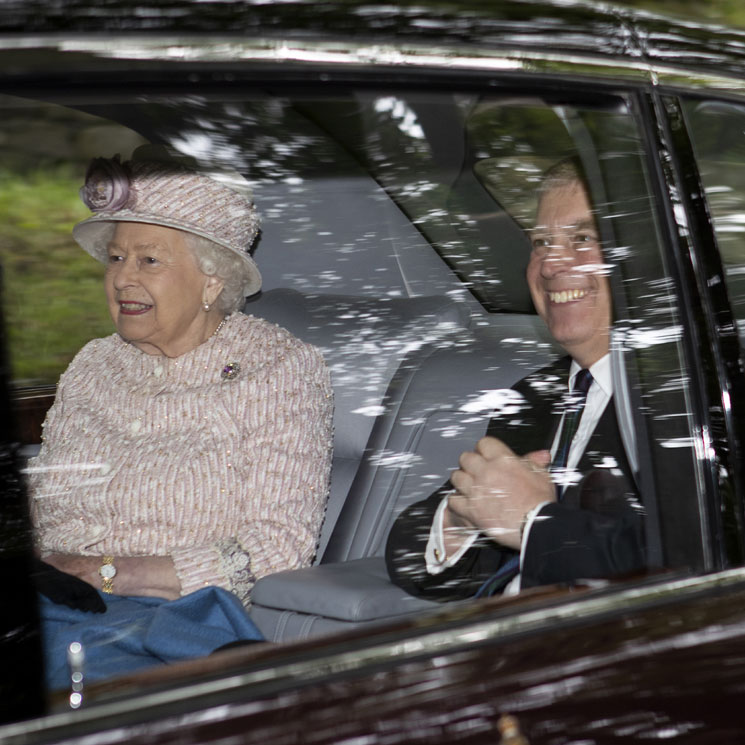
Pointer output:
x,y
601,374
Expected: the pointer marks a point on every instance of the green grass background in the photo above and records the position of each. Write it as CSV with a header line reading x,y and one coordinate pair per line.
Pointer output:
x,y
54,298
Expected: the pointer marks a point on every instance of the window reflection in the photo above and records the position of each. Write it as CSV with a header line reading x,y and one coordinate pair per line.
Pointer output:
x,y
394,239
717,132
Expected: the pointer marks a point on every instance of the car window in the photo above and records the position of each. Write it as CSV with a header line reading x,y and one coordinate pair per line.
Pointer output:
x,y
716,130
396,237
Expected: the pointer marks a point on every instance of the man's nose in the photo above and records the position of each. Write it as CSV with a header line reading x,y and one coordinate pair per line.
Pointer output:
x,y
559,255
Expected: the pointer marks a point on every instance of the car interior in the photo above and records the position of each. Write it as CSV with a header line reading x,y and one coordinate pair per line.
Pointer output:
x,y
393,238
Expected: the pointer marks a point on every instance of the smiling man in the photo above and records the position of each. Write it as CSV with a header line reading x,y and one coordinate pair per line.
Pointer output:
x,y
549,498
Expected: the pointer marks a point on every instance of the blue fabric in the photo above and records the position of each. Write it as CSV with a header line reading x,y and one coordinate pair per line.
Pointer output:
x,y
498,581
137,632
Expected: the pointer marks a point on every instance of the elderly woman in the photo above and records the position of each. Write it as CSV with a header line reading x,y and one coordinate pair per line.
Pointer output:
x,y
191,448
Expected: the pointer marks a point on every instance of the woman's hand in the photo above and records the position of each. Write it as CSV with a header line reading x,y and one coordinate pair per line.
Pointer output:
x,y
153,576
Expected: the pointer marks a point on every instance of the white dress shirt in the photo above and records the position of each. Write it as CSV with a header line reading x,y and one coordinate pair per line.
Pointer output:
x,y
598,396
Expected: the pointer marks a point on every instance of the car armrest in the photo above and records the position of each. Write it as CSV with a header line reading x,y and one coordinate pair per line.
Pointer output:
x,y
352,591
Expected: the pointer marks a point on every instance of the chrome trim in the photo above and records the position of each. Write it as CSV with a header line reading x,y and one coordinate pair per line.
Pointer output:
x,y
164,48
226,49
232,49
671,77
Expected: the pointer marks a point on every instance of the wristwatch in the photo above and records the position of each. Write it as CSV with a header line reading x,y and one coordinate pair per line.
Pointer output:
x,y
107,570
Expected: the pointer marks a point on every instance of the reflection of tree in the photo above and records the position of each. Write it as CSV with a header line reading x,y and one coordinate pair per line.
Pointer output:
x,y
511,147
727,12
465,174
718,133
265,139
463,169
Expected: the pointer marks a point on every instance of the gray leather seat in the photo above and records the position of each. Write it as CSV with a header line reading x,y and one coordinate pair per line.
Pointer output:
x,y
364,340
437,404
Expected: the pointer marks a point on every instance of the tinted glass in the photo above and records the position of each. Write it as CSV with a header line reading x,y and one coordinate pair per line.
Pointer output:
x,y
396,237
716,128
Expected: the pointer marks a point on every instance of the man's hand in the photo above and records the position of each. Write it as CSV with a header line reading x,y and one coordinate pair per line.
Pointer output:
x,y
495,491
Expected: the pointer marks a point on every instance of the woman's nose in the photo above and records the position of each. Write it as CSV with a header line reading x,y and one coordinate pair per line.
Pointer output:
x,y
125,273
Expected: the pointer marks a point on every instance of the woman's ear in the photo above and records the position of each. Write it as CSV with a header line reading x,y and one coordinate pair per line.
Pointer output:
x,y
212,289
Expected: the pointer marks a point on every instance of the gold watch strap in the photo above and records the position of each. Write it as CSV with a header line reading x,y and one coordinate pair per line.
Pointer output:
x,y
107,572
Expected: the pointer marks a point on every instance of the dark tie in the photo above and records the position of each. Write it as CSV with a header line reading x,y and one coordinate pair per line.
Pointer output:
x,y
572,415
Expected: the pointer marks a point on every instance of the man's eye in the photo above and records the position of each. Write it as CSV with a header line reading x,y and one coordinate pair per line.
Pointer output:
x,y
585,238
540,243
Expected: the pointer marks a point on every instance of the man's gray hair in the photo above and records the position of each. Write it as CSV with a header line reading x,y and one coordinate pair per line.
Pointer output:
x,y
566,171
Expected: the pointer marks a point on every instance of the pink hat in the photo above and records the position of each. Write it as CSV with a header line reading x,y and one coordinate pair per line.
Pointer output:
x,y
165,192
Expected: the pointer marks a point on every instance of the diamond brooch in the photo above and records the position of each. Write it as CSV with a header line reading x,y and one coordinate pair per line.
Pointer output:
x,y
230,371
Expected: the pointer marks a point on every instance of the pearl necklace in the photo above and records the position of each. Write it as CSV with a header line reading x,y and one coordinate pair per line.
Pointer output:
x,y
219,326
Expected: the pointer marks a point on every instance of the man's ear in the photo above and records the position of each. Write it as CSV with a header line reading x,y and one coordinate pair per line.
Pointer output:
x,y
212,288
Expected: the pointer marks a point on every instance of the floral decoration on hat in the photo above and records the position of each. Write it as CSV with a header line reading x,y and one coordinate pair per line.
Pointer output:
x,y
158,187
106,187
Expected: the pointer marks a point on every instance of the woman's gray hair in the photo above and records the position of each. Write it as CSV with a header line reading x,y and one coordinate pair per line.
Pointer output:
x,y
216,261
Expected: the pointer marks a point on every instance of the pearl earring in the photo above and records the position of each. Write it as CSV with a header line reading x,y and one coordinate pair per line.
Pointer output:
x,y
206,307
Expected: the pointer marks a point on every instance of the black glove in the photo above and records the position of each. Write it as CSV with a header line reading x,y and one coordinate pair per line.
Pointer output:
x,y
66,589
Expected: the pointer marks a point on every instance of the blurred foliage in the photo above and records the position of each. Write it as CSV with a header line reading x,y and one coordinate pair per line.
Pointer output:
x,y
718,133
54,293
725,12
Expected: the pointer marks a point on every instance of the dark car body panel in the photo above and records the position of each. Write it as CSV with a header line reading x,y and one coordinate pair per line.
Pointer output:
x,y
532,32
648,661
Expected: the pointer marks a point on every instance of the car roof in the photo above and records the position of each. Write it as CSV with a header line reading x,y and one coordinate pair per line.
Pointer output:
x,y
557,32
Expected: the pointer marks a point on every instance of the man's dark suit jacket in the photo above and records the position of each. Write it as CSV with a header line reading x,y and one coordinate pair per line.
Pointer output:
x,y
595,531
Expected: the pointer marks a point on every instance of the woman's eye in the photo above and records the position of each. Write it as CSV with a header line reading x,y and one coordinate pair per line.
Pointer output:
x,y
150,260
113,258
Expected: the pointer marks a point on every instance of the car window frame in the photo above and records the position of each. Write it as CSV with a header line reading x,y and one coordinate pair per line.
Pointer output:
x,y
716,356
